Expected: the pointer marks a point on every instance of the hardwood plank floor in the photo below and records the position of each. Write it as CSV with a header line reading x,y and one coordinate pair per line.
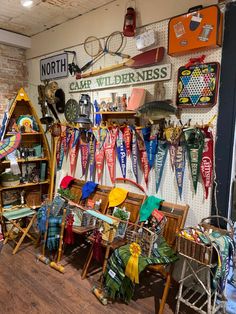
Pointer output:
x,y
28,286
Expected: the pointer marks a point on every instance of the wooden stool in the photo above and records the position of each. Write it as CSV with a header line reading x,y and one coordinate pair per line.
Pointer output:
x,y
14,217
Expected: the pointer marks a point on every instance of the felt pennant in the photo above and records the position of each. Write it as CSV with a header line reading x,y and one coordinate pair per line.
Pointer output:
x,y
150,141
143,155
58,151
180,166
109,147
100,136
194,138
92,148
160,161
121,152
84,149
207,161
63,148
172,152
68,140
127,139
134,155
74,148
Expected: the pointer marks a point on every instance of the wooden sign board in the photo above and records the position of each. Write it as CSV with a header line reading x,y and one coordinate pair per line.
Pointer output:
x,y
122,78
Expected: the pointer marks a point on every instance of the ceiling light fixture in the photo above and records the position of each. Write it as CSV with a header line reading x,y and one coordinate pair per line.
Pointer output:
x,y
26,3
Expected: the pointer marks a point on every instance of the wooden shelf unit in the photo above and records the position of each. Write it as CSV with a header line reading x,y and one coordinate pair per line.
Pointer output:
x,y
111,115
23,106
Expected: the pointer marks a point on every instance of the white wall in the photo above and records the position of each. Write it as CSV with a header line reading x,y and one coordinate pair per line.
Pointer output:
x,y
105,20
150,11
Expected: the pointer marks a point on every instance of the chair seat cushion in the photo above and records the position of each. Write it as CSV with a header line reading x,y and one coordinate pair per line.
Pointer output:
x,y
18,213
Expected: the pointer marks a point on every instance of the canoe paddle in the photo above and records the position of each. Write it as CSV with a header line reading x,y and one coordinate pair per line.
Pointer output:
x,y
145,59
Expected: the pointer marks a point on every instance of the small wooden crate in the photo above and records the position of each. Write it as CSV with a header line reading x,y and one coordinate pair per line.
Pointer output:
x,y
143,236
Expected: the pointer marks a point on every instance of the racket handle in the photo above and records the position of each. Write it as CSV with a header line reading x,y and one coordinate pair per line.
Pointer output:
x,y
104,70
91,62
122,55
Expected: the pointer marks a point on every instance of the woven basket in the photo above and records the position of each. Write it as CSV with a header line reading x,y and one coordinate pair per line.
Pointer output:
x,y
200,252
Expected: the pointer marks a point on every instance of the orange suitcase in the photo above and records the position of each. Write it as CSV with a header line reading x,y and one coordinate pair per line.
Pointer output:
x,y
200,28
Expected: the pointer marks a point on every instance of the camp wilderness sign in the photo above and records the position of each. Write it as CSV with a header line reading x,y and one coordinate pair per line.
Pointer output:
x,y
122,78
54,67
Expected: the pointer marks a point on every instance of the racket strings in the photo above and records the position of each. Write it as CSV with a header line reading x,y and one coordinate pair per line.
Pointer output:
x,y
92,46
114,42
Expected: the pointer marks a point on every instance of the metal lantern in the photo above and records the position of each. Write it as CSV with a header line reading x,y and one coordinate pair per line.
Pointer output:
x,y
47,117
85,110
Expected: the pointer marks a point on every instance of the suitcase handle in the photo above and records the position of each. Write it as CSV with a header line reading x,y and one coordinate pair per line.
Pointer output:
x,y
196,8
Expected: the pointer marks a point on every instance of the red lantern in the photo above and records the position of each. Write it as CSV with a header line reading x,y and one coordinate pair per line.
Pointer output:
x,y
129,27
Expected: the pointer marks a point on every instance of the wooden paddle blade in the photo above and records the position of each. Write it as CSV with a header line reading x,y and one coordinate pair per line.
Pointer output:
x,y
147,58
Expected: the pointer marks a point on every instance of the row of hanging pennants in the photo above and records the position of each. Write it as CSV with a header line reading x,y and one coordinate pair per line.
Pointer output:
x,y
147,147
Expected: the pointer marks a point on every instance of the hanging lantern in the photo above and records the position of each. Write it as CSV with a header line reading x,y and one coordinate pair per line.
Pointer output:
x,y
129,27
85,110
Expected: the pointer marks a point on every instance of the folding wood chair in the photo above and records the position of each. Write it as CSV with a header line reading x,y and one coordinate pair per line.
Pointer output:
x,y
132,203
176,216
15,217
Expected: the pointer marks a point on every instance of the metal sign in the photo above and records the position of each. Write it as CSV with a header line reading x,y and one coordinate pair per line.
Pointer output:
x,y
122,78
54,67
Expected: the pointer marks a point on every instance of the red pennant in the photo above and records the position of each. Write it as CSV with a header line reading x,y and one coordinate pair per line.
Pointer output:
x,y
207,161
127,138
84,156
63,138
143,155
58,149
99,160
109,147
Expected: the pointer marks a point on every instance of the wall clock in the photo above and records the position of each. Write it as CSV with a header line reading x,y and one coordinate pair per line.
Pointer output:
x,y
71,110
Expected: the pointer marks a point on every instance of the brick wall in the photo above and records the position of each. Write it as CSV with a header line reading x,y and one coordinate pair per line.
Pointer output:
x,y
13,74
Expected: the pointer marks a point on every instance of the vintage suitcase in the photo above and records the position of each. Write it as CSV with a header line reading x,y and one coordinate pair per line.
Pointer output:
x,y
200,28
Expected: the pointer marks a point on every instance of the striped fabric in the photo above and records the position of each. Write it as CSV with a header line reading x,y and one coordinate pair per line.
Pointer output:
x,y
18,213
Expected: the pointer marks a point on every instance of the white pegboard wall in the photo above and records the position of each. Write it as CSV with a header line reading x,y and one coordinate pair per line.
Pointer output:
x,y
199,207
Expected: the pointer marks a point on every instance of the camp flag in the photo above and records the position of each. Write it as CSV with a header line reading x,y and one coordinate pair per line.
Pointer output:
x,y
92,148
194,138
160,161
74,148
179,165
207,161
109,147
58,149
134,155
84,149
68,138
172,152
143,155
150,141
127,139
63,148
100,135
121,152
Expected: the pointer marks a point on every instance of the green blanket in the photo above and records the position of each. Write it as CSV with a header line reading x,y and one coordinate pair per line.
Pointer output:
x,y
117,285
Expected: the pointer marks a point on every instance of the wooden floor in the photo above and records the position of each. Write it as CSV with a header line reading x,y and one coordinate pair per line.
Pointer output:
x,y
28,286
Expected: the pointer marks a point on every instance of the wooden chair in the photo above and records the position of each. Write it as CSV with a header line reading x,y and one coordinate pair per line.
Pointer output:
x,y
15,217
176,216
132,203
101,193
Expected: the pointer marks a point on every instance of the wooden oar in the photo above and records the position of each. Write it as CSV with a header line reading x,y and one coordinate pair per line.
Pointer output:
x,y
145,59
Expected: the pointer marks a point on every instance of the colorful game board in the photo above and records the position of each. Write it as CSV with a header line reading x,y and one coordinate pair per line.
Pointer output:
x,y
198,85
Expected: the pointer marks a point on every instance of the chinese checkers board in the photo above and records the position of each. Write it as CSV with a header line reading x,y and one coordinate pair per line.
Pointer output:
x,y
198,85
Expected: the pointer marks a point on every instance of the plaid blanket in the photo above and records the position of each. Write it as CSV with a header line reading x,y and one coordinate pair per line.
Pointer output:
x,y
54,227
117,285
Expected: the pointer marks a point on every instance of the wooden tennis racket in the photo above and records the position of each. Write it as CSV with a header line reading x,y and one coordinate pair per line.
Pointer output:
x,y
114,44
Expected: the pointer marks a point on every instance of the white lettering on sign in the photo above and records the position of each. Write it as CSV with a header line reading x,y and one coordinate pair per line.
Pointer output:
x,y
125,77
54,67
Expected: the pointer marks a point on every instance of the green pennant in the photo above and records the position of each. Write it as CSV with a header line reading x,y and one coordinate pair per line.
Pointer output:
x,y
194,138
